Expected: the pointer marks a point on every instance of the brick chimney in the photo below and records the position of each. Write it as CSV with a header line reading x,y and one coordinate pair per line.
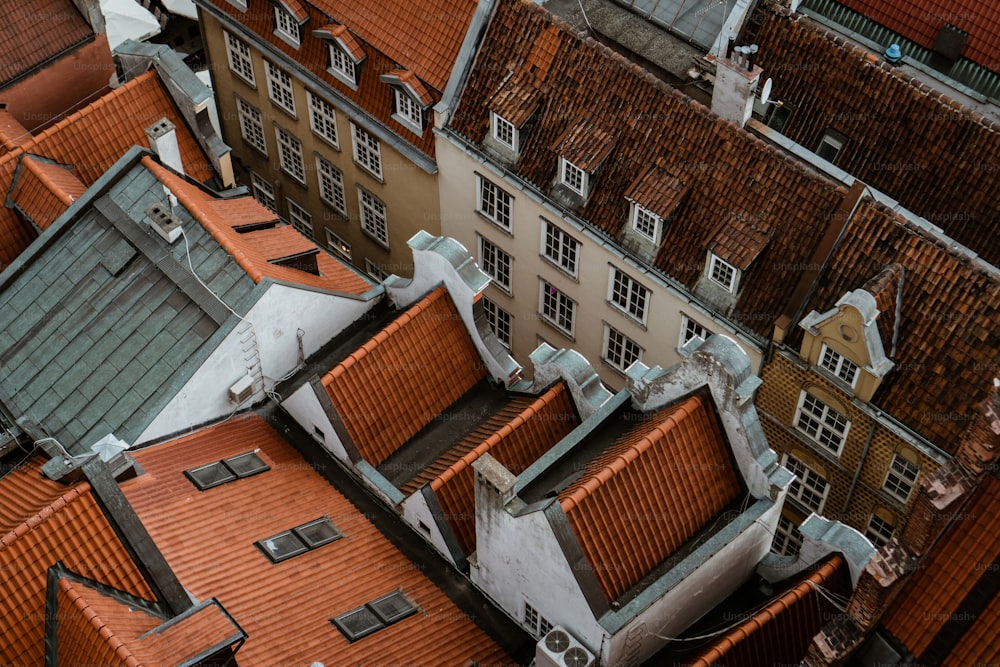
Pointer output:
x,y
736,79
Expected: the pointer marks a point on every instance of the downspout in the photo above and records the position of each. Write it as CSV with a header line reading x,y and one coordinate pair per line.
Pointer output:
x,y
857,472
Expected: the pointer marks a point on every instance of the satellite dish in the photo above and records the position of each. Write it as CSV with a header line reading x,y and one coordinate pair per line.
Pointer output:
x,y
765,94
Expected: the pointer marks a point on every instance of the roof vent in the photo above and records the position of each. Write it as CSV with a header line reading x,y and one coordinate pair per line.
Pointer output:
x,y
893,54
164,222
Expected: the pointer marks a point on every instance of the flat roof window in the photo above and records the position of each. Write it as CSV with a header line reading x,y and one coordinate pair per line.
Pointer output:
x,y
299,540
374,615
227,470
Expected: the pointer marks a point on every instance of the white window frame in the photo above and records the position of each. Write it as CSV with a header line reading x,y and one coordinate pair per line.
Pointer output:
x,y
627,295
367,151
263,192
286,26
536,624
690,329
820,423
787,538
500,321
251,124
374,217
805,487
323,119
619,351
408,110
504,132
342,65
560,249
337,245
569,173
240,58
876,533
897,478
375,271
280,89
722,273
300,218
290,154
556,308
654,219
497,264
838,365
331,185
494,203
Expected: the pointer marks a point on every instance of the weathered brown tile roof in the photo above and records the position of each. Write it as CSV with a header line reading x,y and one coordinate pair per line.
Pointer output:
x,y
886,288
208,539
255,250
516,101
740,239
781,632
937,158
658,190
12,133
404,377
727,169
652,490
978,646
948,348
920,20
41,523
32,34
516,444
585,145
959,563
92,139
43,190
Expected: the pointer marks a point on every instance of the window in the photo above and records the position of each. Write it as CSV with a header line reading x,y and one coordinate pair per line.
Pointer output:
x,y
787,538
494,204
627,295
499,321
830,145
338,245
560,247
809,487
299,540
331,185
536,624
323,119
777,117
251,125
408,111
619,350
646,223
901,478
375,271
557,309
290,154
374,616
227,470
821,423
239,58
504,132
366,151
722,274
691,330
263,192
300,219
573,177
835,362
496,263
285,25
342,65
879,531
373,220
279,87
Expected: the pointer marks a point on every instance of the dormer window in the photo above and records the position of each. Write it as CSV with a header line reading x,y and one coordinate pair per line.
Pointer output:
x,y
838,365
341,64
582,150
408,111
646,223
286,26
346,53
573,177
411,97
723,274
504,131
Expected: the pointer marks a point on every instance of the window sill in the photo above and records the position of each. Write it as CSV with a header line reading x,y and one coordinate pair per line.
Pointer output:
x,y
294,179
629,316
288,112
408,124
560,268
341,215
555,327
368,171
335,145
343,78
384,246
295,44
506,230
256,149
239,77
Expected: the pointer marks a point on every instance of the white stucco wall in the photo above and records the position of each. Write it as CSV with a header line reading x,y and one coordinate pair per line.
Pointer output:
x,y
307,411
416,512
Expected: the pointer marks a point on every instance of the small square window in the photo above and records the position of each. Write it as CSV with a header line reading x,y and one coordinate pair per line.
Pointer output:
x,y
263,192
358,623
646,223
338,245
627,295
207,476
573,177
286,26
691,330
900,478
245,465
393,607
620,351
342,65
831,145
837,364
282,546
504,132
408,111
317,533
723,274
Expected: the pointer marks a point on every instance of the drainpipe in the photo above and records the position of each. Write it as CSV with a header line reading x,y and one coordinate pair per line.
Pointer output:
x,y
861,465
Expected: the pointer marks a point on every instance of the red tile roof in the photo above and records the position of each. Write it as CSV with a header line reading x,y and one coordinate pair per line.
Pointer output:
x,y
344,38
26,45
780,633
410,81
979,646
92,139
41,523
404,377
650,492
740,239
886,288
516,445
935,157
585,145
920,20
44,190
254,250
12,133
516,101
208,539
658,190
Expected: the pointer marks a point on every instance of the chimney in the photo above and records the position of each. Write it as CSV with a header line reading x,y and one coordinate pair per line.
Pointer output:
x,y
736,79
163,141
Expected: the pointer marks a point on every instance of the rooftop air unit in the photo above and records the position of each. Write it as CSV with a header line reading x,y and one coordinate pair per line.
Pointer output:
x,y
560,649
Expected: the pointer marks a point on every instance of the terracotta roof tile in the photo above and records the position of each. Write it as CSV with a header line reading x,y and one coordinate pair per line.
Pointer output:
x,y
279,243
409,80
344,38
24,47
781,632
651,491
398,381
254,250
658,190
585,145
12,133
208,539
886,287
516,445
740,239
516,101
44,522
43,190
979,646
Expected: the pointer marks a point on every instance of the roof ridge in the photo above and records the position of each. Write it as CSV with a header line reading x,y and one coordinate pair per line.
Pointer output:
x,y
35,165
43,514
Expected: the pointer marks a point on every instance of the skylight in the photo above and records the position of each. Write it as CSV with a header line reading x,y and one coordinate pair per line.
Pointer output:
x,y
374,615
299,540
227,470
